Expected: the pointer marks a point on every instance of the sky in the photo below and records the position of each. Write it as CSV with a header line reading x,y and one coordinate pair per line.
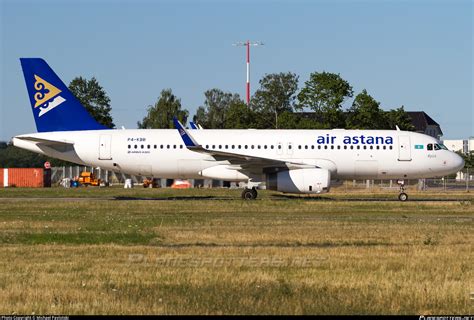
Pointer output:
x,y
418,54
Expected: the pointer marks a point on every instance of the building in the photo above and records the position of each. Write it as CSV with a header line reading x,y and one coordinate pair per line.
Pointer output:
x,y
458,145
423,123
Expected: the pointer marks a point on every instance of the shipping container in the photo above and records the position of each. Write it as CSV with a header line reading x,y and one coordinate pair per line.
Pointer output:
x,y
21,177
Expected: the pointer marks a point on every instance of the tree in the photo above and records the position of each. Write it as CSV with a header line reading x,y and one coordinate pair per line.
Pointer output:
x,y
398,117
325,93
365,113
94,98
214,113
277,94
161,114
239,116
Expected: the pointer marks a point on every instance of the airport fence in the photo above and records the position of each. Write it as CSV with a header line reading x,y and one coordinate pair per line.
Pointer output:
x,y
464,180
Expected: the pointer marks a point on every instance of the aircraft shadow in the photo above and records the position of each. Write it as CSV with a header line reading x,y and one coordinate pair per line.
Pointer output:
x,y
173,198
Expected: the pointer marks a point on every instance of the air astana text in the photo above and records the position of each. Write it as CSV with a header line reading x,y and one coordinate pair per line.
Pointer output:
x,y
362,139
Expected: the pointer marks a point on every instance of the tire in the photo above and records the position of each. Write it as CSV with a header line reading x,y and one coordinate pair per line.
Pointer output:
x,y
254,193
248,194
403,196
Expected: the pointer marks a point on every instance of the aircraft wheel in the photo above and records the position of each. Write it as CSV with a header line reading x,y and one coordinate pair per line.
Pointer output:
x,y
255,193
403,196
249,194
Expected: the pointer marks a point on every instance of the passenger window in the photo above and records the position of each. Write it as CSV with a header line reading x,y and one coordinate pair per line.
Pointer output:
x,y
251,146
384,147
365,147
271,146
345,147
279,146
338,147
207,146
167,146
213,146
129,146
245,146
161,146
233,146
240,147
220,146
391,147
258,147
174,146
352,147
312,146
181,146
142,146
226,146
378,147
325,147
319,147
155,146
306,147
135,146
265,146
358,147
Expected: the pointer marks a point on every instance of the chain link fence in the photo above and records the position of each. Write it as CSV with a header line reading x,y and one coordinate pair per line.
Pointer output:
x,y
464,180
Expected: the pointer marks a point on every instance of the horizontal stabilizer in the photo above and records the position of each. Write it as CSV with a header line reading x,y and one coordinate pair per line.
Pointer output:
x,y
45,141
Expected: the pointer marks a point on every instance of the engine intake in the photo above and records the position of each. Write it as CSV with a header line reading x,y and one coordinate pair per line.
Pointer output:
x,y
313,180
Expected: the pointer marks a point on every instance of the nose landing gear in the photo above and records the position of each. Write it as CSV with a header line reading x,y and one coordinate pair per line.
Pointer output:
x,y
402,196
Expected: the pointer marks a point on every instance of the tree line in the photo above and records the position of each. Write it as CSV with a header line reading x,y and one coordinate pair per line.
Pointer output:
x,y
278,103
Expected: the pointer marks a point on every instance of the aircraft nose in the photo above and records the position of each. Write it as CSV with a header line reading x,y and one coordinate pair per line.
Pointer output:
x,y
457,162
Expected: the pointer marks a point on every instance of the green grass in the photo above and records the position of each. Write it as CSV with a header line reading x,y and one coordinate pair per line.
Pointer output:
x,y
85,251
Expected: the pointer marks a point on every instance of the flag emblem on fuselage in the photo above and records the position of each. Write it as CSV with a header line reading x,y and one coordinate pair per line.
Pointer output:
x,y
46,96
418,146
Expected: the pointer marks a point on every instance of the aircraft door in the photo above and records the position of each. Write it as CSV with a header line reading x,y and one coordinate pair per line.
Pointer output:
x,y
105,151
404,148
279,148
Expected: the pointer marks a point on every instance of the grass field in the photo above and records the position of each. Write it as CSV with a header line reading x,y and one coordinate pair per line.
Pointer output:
x,y
142,251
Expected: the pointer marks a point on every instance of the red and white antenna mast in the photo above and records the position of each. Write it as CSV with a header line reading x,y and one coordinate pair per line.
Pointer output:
x,y
248,44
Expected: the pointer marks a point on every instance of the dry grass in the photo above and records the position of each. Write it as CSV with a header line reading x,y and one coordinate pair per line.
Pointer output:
x,y
278,256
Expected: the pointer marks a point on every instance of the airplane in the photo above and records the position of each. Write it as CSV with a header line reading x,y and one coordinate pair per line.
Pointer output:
x,y
289,161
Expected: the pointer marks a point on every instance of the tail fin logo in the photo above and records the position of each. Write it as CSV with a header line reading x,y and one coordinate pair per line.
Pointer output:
x,y
46,96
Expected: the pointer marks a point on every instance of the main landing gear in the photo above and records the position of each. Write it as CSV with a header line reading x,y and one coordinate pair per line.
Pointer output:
x,y
249,194
402,196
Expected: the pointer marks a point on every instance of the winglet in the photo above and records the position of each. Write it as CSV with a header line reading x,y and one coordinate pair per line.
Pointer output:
x,y
188,140
193,125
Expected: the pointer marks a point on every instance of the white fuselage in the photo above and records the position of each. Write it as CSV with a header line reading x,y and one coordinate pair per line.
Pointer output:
x,y
347,154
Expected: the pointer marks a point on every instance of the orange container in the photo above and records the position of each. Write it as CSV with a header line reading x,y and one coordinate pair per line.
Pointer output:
x,y
1,177
22,177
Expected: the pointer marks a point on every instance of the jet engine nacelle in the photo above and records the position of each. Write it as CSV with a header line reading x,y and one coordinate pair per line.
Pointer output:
x,y
313,180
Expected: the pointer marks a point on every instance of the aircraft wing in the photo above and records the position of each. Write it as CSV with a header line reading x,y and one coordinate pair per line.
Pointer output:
x,y
48,142
247,163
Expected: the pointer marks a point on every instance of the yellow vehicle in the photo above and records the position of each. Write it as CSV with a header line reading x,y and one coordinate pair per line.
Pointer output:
x,y
151,183
88,179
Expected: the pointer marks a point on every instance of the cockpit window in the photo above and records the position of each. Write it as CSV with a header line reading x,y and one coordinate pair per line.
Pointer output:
x,y
429,147
440,146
